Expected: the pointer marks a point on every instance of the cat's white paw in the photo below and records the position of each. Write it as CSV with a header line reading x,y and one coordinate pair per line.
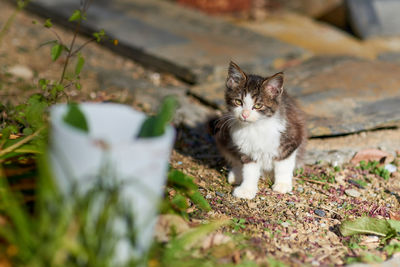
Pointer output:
x,y
245,192
231,177
282,188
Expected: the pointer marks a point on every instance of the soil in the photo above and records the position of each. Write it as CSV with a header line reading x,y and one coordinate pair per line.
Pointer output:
x,y
297,228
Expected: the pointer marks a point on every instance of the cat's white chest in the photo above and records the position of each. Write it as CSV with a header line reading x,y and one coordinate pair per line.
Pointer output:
x,y
259,140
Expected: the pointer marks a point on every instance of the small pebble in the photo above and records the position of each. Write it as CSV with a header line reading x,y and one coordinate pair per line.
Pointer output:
x,y
315,263
300,189
219,194
262,198
252,205
390,168
352,192
353,182
21,71
285,224
320,213
208,196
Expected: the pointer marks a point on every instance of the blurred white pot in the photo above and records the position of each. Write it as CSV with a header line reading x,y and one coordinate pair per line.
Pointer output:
x,y
78,157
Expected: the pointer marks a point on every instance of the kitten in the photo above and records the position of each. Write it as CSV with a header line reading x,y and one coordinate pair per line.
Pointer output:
x,y
263,130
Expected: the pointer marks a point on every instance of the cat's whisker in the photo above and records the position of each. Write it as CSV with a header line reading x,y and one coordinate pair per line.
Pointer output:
x,y
227,123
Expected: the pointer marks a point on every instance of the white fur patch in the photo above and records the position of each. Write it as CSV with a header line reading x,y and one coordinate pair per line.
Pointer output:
x,y
249,187
284,174
260,139
247,106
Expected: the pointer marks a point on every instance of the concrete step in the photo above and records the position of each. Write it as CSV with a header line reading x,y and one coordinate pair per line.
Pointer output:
x,y
340,95
192,46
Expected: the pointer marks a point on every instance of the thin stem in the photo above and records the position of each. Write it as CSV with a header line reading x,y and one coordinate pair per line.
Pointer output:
x,y
20,143
56,34
11,19
82,46
70,52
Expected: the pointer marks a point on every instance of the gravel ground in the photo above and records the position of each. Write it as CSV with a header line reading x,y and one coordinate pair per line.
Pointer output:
x,y
297,228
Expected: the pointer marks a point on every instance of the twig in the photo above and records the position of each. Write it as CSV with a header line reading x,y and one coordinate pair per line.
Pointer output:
x,y
20,143
82,46
78,25
315,181
10,21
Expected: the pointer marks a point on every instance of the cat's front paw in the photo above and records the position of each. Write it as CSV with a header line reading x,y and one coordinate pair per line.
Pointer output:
x,y
245,192
282,188
231,177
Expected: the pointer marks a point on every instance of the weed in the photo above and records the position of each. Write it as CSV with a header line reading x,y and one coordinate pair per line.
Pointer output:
x,y
374,168
186,190
238,224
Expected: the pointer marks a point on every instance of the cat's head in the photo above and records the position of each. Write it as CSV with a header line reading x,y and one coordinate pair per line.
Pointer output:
x,y
250,97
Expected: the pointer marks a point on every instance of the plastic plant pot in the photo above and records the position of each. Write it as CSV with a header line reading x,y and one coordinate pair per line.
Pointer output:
x,y
140,164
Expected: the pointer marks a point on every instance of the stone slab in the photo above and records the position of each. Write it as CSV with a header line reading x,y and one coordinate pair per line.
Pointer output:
x,y
340,95
189,113
314,36
370,18
168,37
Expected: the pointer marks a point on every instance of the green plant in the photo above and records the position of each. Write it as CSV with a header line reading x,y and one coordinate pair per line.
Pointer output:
x,y
374,168
393,247
366,225
155,125
238,224
28,120
74,230
53,90
185,189
21,4
275,263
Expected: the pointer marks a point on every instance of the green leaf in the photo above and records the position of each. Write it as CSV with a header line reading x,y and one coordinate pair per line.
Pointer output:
x,y
43,83
180,202
199,200
79,65
35,110
367,225
178,178
189,239
99,35
59,87
78,85
395,225
56,51
77,15
48,23
155,125
370,258
76,118
275,263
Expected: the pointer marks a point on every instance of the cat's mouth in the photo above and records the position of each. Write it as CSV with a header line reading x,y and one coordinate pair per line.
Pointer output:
x,y
244,120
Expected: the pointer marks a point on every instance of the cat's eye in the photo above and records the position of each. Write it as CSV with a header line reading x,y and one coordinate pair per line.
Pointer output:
x,y
257,106
238,102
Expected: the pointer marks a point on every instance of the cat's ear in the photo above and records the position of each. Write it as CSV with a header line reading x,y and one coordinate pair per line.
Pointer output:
x,y
274,85
236,76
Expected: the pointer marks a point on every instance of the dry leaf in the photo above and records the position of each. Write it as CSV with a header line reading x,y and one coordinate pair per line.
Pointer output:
x,y
166,224
215,239
372,155
394,216
236,257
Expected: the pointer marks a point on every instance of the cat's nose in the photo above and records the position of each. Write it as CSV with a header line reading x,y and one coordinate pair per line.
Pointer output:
x,y
245,114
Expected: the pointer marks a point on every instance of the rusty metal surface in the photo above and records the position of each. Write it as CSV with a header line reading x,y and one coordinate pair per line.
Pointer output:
x,y
340,95
168,37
